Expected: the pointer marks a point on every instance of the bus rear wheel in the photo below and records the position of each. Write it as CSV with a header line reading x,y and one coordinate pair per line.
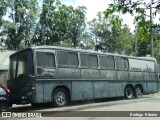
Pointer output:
x,y
60,97
138,92
128,92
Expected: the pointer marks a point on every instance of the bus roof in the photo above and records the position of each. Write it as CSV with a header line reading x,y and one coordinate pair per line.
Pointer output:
x,y
84,51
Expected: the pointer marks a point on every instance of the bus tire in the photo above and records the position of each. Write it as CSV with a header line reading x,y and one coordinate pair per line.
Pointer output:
x,y
138,92
60,97
128,92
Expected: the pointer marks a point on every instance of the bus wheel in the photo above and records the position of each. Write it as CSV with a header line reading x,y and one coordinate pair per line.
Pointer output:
x,y
138,92
128,92
60,97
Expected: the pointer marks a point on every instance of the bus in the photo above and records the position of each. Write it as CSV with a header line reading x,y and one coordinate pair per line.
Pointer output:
x,y
57,75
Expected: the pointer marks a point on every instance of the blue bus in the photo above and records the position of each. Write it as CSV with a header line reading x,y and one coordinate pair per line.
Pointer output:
x,y
57,75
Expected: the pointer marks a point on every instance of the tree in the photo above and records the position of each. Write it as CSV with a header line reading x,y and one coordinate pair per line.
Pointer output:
x,y
100,30
143,27
60,24
87,41
22,16
110,34
3,9
77,25
45,33
137,7
142,36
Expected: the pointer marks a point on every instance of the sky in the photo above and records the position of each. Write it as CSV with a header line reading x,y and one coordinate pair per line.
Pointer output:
x,y
94,6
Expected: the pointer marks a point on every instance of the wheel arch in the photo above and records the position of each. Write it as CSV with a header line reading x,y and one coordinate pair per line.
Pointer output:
x,y
64,87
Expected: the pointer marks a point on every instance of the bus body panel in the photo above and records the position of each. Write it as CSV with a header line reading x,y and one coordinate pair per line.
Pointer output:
x,y
108,74
152,87
21,89
82,82
68,73
123,75
101,89
82,90
43,92
90,74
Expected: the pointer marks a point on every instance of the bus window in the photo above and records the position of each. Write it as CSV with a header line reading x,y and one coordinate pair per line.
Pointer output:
x,y
106,62
122,63
93,62
84,60
62,58
72,59
41,62
155,67
136,65
125,64
50,61
119,63
45,63
22,64
150,66
103,62
110,62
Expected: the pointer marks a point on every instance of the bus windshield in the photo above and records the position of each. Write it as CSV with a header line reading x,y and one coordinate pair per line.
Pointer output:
x,y
20,64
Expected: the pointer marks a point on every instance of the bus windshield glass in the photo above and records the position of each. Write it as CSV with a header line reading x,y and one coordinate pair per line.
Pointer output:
x,y
20,64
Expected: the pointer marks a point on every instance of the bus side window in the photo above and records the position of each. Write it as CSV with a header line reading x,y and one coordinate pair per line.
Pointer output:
x,y
50,61
73,59
122,63
119,63
45,63
110,62
103,62
125,64
41,62
84,60
106,62
93,61
62,58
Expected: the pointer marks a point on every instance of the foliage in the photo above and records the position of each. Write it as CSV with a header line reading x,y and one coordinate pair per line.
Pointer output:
x,y
111,35
3,9
157,47
42,32
18,29
60,24
143,27
133,7
87,41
